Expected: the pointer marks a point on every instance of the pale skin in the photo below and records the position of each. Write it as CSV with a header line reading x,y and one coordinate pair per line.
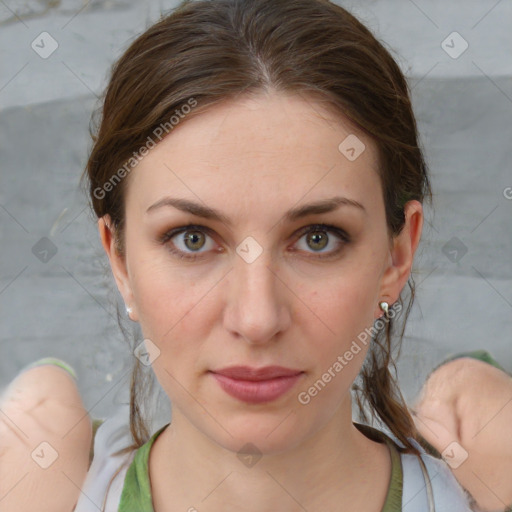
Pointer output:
x,y
470,402
278,309
458,400
194,461
42,405
253,160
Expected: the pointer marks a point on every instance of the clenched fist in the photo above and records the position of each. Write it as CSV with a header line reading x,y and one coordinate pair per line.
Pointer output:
x,y
465,412
45,438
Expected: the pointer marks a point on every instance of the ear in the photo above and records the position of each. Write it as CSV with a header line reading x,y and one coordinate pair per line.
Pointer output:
x,y
402,252
117,263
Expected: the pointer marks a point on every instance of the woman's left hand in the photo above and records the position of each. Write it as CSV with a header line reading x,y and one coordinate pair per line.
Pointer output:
x,y
465,411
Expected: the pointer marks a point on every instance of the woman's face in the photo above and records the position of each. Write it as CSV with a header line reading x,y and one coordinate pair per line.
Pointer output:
x,y
254,288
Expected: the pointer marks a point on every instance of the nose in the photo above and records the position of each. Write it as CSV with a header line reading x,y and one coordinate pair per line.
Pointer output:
x,y
257,309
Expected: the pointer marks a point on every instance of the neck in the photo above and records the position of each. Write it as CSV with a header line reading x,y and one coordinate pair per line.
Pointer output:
x,y
335,464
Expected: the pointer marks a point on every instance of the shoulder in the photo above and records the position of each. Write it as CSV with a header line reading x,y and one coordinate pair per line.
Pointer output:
x,y
421,480
424,479
112,456
429,476
118,476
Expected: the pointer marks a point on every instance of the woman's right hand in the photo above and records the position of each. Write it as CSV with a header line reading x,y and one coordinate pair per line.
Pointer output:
x,y
45,439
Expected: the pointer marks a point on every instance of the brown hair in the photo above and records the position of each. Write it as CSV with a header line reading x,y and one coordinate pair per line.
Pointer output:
x,y
212,51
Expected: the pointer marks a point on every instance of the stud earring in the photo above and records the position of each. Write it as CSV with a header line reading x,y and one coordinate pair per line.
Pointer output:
x,y
129,311
384,306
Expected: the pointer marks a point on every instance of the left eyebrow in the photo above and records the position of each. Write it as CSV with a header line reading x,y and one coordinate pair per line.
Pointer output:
x,y
323,206
199,210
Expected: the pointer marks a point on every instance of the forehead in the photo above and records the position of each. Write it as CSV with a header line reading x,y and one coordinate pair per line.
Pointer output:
x,y
271,149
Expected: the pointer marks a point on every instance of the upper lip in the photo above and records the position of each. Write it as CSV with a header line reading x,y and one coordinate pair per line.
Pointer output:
x,y
255,374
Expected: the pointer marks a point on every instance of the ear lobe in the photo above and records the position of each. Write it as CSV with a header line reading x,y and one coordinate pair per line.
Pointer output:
x,y
117,261
402,252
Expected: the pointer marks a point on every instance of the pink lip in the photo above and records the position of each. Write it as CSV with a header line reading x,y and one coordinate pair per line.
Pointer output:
x,y
256,385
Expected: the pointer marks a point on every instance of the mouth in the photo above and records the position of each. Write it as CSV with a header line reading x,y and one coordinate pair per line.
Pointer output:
x,y
256,385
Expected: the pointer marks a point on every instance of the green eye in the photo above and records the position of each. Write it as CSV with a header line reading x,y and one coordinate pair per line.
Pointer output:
x,y
195,238
317,238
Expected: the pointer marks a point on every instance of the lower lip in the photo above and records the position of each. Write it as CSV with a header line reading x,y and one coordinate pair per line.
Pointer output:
x,y
256,392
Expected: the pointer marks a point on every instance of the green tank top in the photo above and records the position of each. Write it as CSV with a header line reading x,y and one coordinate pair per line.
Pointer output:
x,y
136,494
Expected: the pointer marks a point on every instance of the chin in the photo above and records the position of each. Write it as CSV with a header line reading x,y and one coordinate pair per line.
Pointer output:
x,y
267,434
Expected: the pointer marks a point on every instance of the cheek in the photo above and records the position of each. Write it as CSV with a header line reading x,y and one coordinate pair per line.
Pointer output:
x,y
163,306
343,308
164,298
175,308
345,301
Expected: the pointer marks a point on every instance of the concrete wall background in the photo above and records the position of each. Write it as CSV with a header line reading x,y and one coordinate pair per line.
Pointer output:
x,y
66,306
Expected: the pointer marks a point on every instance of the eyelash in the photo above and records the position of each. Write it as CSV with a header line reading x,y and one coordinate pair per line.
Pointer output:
x,y
345,239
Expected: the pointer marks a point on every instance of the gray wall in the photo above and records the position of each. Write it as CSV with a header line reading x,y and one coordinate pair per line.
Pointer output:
x,y
62,302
